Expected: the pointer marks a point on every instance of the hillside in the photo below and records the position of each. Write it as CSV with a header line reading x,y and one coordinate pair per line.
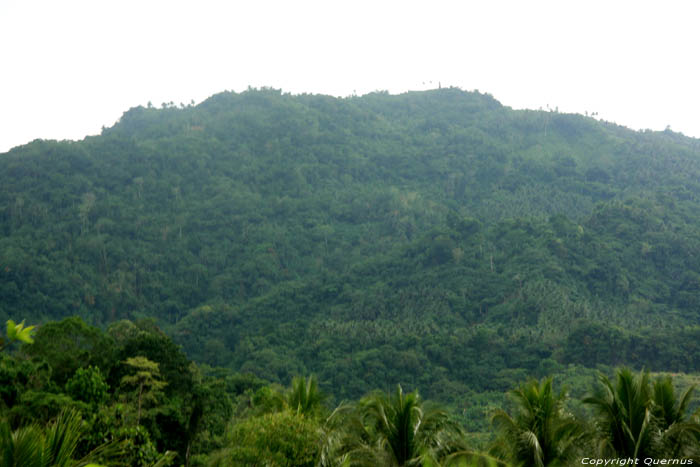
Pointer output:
x,y
436,238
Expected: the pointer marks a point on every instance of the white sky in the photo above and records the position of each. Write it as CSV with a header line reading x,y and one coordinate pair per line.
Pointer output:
x,y
69,67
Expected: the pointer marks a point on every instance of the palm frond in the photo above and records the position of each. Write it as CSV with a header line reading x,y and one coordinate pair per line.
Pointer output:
x,y
636,418
395,429
61,439
21,447
538,432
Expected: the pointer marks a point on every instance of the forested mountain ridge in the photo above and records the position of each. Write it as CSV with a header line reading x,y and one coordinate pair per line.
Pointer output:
x,y
437,238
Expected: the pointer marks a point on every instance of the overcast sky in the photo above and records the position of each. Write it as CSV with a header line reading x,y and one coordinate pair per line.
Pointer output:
x,y
69,67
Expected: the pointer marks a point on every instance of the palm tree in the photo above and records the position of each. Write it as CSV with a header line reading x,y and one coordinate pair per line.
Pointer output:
x,y
392,430
623,415
637,420
676,434
540,433
21,447
31,446
304,397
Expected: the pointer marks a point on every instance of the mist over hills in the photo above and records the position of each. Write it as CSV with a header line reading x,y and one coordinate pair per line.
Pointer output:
x,y
435,238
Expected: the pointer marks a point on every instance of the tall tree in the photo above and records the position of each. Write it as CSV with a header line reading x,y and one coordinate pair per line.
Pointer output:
x,y
540,432
146,381
677,432
395,429
623,415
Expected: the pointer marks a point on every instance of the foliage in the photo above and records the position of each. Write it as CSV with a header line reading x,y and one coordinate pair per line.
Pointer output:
x,y
71,344
113,424
541,432
637,419
175,423
88,385
41,406
277,439
17,332
391,429
286,426
624,415
145,382
436,239
31,445
677,433
304,397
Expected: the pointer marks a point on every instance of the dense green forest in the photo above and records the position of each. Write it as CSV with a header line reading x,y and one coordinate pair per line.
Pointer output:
x,y
71,394
438,240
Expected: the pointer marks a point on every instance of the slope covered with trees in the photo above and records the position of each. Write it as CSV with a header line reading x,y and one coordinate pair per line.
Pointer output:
x,y
436,239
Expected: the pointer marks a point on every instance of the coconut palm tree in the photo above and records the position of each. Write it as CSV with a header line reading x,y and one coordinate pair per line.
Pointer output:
x,y
637,419
677,434
304,396
623,415
392,430
540,432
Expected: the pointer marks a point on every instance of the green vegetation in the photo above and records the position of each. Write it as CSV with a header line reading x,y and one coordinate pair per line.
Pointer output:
x,y
638,419
437,240
392,429
134,414
32,446
281,438
541,433
17,333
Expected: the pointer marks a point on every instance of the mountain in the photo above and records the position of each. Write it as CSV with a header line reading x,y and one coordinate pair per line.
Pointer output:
x,y
437,238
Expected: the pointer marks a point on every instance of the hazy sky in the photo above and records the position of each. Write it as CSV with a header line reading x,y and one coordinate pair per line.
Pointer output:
x,y
69,67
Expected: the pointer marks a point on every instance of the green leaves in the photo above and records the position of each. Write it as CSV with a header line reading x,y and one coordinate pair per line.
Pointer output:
x,y
280,439
376,228
304,396
623,413
394,429
70,344
638,419
18,332
55,445
145,382
88,385
540,432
